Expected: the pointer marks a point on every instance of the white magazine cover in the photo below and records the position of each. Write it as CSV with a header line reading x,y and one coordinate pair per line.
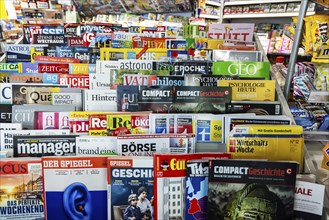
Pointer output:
x,y
209,128
100,81
10,126
6,137
159,123
100,100
143,145
96,145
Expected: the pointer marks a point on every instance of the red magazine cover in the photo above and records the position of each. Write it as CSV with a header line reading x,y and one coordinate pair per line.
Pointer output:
x,y
74,80
170,182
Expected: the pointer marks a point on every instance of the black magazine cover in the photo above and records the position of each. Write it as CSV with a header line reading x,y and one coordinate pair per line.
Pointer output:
x,y
44,145
245,189
199,99
158,99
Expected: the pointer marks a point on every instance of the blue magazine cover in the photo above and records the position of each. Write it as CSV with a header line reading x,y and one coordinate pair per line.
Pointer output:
x,y
197,189
75,187
130,188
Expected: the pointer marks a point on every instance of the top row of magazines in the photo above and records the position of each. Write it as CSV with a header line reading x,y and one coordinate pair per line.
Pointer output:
x,y
86,43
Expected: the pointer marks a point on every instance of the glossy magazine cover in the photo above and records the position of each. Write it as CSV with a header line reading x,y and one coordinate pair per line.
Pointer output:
x,y
75,187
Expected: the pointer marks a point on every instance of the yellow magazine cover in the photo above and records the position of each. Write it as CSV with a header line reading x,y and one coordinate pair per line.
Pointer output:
x,y
250,90
117,53
79,68
98,123
128,123
215,44
269,142
36,52
151,54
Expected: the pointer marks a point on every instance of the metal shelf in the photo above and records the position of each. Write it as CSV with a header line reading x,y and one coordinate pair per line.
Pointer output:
x,y
213,3
265,15
209,16
255,2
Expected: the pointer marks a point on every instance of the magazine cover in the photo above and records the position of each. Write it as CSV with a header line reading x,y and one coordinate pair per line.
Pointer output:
x,y
251,90
243,119
249,70
199,99
142,144
7,137
209,128
236,31
127,98
269,142
170,182
6,113
25,113
128,123
10,126
99,100
158,99
159,123
19,91
197,189
96,145
21,189
245,189
75,187
44,145
130,186
183,123
6,94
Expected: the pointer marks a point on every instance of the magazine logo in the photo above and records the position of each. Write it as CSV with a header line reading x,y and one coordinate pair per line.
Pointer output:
x,y
140,121
75,82
117,122
156,93
242,69
231,170
193,69
107,98
59,148
121,163
18,48
177,164
136,65
246,146
75,41
96,151
136,149
6,92
198,169
79,126
37,97
9,66
97,123
166,81
133,173
9,168
53,68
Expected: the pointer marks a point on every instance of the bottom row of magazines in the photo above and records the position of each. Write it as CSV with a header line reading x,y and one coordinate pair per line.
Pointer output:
x,y
163,187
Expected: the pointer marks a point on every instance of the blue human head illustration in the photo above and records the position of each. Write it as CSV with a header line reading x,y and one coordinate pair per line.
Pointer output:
x,y
77,202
